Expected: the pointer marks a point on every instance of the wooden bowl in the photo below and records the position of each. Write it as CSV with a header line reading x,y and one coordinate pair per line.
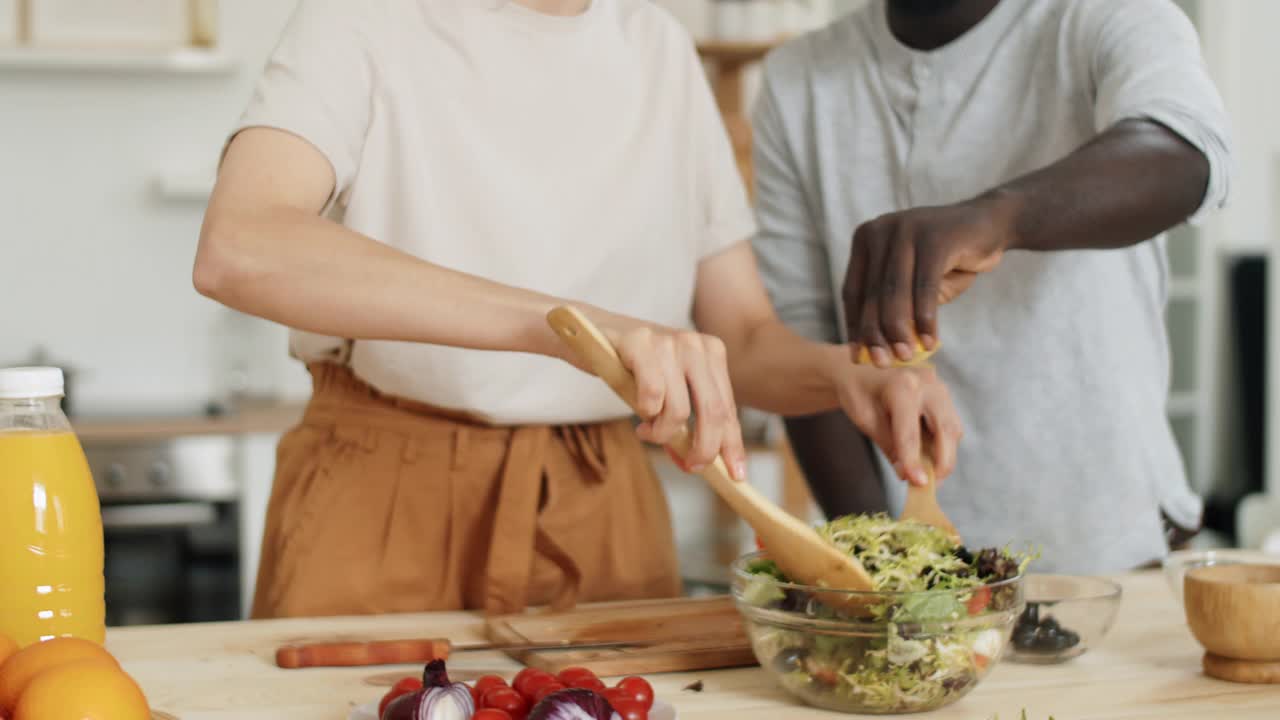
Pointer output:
x,y
1234,610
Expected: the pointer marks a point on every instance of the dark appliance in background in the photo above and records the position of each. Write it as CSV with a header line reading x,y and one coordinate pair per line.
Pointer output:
x,y
170,516
1247,278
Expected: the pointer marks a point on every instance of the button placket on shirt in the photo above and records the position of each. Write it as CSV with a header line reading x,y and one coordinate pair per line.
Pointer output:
x,y
922,125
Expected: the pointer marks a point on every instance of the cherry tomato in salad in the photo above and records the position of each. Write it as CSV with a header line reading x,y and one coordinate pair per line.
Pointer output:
x,y
545,690
487,682
508,700
569,674
638,689
630,710
492,714
403,686
979,601
525,676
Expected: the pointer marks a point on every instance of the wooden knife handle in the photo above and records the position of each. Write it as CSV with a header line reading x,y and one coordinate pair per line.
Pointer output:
x,y
362,654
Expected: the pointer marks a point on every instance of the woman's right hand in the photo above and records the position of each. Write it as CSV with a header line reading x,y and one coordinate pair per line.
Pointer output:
x,y
681,373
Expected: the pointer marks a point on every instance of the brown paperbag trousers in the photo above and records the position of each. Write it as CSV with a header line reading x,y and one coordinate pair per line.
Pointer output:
x,y
381,505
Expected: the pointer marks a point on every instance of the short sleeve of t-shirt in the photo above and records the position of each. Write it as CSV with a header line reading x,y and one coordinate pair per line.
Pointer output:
x,y
318,83
1145,62
726,211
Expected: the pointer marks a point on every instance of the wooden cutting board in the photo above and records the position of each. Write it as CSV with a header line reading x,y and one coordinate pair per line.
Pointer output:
x,y
680,635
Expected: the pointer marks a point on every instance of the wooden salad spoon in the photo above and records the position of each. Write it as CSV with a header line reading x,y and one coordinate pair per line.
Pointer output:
x,y
799,551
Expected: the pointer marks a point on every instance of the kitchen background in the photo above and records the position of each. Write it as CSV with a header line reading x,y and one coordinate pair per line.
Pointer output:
x,y
112,113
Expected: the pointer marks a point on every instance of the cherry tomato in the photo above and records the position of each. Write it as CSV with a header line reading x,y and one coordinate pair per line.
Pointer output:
x,y
617,695
521,682
488,682
630,710
492,714
505,698
476,695
545,690
639,690
568,675
535,684
979,601
587,683
403,686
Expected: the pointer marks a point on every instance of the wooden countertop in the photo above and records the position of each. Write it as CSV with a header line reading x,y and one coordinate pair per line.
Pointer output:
x,y
266,418
1148,667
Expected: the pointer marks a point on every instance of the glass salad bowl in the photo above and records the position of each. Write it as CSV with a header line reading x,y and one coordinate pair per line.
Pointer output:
x,y
905,652
1065,615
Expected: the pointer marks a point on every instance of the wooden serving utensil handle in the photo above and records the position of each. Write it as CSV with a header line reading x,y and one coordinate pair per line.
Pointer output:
x,y
798,550
363,654
599,354
922,500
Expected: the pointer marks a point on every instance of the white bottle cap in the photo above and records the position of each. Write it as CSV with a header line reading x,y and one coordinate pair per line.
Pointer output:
x,y
30,382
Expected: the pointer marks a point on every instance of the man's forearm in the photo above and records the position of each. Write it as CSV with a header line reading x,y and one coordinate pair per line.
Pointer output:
x,y
1125,186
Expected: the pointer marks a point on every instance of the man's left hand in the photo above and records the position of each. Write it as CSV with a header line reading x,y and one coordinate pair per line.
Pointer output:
x,y
905,264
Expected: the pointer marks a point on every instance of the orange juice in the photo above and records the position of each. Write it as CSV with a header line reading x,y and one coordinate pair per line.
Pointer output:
x,y
51,580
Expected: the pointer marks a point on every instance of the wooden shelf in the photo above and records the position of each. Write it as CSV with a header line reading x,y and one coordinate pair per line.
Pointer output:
x,y
187,61
730,60
737,51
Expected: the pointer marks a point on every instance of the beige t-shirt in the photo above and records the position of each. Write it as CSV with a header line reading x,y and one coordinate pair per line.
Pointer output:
x,y
582,157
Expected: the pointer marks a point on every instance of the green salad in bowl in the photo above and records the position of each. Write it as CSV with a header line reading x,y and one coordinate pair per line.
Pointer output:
x,y
939,617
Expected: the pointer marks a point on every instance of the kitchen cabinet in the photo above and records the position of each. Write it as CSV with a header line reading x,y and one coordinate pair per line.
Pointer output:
x,y
122,24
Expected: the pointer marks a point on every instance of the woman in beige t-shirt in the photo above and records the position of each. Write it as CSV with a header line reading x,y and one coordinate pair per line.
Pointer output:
x,y
414,184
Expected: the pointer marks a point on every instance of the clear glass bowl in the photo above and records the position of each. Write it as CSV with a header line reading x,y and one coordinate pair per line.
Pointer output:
x,y
880,661
1065,615
1176,564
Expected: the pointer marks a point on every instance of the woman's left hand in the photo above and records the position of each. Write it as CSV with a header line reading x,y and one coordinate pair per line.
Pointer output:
x,y
892,406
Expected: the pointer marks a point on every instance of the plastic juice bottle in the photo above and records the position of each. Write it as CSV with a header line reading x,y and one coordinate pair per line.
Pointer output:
x,y
51,581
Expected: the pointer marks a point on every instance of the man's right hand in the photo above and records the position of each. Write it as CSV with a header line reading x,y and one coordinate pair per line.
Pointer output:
x,y
904,264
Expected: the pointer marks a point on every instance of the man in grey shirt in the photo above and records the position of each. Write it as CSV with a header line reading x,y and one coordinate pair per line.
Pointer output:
x,y
997,175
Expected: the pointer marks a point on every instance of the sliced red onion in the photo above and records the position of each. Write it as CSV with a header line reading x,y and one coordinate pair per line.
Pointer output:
x,y
574,704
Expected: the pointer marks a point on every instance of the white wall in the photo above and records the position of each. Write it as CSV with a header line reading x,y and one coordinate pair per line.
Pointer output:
x,y
1241,49
95,266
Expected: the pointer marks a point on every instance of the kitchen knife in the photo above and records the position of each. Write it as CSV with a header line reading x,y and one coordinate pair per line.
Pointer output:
x,y
400,652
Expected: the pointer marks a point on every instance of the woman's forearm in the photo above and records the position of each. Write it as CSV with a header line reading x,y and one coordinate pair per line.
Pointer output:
x,y
778,371
310,273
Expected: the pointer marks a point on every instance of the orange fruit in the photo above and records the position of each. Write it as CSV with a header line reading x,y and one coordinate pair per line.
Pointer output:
x,y
7,647
83,690
24,665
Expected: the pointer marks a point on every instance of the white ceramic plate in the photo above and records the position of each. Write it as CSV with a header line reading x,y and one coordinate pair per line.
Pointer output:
x,y
660,711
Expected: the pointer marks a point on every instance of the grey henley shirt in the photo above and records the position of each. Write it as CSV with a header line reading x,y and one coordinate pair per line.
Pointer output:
x,y
1058,361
